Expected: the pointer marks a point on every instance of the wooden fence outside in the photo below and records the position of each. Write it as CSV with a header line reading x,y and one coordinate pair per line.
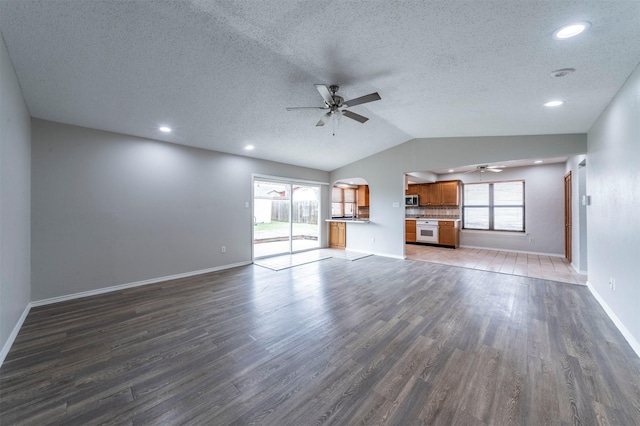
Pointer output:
x,y
305,211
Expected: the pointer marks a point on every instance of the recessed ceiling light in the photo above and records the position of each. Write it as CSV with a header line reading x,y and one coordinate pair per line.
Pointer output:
x,y
571,30
450,170
553,103
165,129
249,147
537,162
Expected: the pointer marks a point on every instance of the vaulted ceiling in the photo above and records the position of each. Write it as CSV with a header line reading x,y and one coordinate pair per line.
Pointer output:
x,y
221,73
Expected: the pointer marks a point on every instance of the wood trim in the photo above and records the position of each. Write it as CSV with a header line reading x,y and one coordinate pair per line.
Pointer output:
x,y
567,217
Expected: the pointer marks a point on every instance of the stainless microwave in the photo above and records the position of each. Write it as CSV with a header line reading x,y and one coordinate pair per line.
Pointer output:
x,y
411,200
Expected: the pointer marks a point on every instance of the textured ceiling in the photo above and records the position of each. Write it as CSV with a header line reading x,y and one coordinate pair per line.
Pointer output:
x,y
222,72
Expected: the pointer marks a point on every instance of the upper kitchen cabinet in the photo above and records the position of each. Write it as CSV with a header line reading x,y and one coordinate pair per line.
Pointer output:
x,y
445,193
423,194
363,195
434,195
419,189
412,189
450,192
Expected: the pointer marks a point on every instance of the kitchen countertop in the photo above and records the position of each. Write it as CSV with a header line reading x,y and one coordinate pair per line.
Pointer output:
x,y
435,219
348,220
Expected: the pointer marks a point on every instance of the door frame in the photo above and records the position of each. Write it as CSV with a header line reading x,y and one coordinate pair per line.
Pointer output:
x,y
290,181
568,234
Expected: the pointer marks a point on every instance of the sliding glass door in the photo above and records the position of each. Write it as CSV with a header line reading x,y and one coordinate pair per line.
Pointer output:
x,y
285,217
304,218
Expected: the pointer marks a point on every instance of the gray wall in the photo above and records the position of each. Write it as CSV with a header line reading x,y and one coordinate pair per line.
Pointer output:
x,y
385,174
110,209
578,212
15,196
613,181
544,210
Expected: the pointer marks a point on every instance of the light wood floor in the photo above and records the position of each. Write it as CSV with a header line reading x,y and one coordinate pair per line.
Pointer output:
x,y
528,265
371,341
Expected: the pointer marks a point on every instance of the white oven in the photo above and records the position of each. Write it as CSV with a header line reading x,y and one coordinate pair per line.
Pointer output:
x,y
427,231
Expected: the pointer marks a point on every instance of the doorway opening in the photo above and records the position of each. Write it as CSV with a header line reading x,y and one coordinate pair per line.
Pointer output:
x,y
285,217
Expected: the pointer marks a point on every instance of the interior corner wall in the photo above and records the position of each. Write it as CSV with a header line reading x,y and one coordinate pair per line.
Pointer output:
x,y
15,196
111,209
613,182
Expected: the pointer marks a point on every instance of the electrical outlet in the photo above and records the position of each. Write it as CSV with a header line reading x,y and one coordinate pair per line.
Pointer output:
x,y
612,284
373,239
532,240
223,249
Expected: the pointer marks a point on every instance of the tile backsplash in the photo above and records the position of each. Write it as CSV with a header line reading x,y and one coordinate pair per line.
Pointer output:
x,y
434,212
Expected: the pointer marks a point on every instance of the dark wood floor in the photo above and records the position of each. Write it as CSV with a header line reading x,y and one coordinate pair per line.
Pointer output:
x,y
372,341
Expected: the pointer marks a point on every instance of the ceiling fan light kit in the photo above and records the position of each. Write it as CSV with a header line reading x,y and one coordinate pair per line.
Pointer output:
x,y
337,105
485,168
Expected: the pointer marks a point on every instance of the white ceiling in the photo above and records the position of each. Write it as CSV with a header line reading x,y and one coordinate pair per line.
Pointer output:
x,y
504,165
222,72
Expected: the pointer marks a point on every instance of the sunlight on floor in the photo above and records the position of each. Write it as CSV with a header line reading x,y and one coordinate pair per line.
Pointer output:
x,y
277,263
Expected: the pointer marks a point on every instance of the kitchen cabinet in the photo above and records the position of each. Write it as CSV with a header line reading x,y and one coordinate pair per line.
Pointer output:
x,y
337,234
434,194
363,195
423,194
421,190
448,233
450,193
412,189
410,231
446,193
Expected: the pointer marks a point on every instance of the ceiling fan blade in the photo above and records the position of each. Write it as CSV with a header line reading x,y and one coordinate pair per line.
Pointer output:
x,y
354,116
362,99
493,170
297,108
324,119
326,95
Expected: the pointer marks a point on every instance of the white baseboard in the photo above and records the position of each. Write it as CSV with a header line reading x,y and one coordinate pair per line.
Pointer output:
x,y
627,335
514,251
14,334
575,268
131,285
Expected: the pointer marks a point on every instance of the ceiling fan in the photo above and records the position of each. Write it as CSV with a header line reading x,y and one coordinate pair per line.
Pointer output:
x,y
336,104
485,168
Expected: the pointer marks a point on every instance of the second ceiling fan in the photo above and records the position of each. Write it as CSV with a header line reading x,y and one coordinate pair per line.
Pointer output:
x,y
485,168
335,104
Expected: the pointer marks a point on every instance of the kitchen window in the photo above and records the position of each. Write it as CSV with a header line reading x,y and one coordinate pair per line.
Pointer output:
x,y
343,201
494,206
